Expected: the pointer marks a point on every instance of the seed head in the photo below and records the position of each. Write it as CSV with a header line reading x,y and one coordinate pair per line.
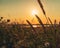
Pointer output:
x,y
8,20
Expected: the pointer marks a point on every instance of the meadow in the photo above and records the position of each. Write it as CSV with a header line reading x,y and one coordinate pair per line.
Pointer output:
x,y
17,35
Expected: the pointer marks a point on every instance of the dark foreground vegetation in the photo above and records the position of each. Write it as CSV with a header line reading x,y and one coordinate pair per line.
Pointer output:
x,y
18,36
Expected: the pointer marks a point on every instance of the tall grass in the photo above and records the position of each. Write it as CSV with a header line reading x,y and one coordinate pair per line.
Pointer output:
x,y
40,21
31,26
19,36
41,5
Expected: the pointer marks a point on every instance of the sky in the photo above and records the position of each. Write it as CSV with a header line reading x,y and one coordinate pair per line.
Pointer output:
x,y
21,10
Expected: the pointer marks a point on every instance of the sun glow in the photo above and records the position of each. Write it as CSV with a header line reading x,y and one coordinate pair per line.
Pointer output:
x,y
34,12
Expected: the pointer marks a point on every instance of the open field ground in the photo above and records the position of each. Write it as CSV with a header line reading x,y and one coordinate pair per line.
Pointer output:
x,y
20,36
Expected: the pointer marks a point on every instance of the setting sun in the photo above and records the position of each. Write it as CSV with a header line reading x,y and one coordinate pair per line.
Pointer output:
x,y
34,12
29,23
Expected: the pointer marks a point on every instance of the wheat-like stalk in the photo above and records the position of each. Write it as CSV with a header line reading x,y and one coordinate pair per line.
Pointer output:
x,y
50,20
51,23
41,23
31,26
41,5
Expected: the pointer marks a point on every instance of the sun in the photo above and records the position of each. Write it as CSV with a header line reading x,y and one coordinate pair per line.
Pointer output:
x,y
34,12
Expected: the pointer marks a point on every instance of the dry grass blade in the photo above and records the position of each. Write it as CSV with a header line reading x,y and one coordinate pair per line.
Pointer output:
x,y
50,21
41,5
41,23
51,25
31,26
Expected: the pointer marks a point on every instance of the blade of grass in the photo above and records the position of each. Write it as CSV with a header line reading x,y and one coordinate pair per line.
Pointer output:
x,y
31,26
41,23
41,5
54,33
50,21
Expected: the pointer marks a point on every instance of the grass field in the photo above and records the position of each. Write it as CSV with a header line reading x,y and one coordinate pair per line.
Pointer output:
x,y
15,35
20,36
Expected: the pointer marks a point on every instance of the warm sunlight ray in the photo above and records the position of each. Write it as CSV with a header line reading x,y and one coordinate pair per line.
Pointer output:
x,y
34,12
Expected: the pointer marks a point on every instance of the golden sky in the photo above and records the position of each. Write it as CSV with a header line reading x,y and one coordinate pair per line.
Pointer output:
x,y
22,10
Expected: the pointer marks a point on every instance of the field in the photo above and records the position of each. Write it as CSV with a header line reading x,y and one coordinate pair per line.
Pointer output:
x,y
28,36
15,35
